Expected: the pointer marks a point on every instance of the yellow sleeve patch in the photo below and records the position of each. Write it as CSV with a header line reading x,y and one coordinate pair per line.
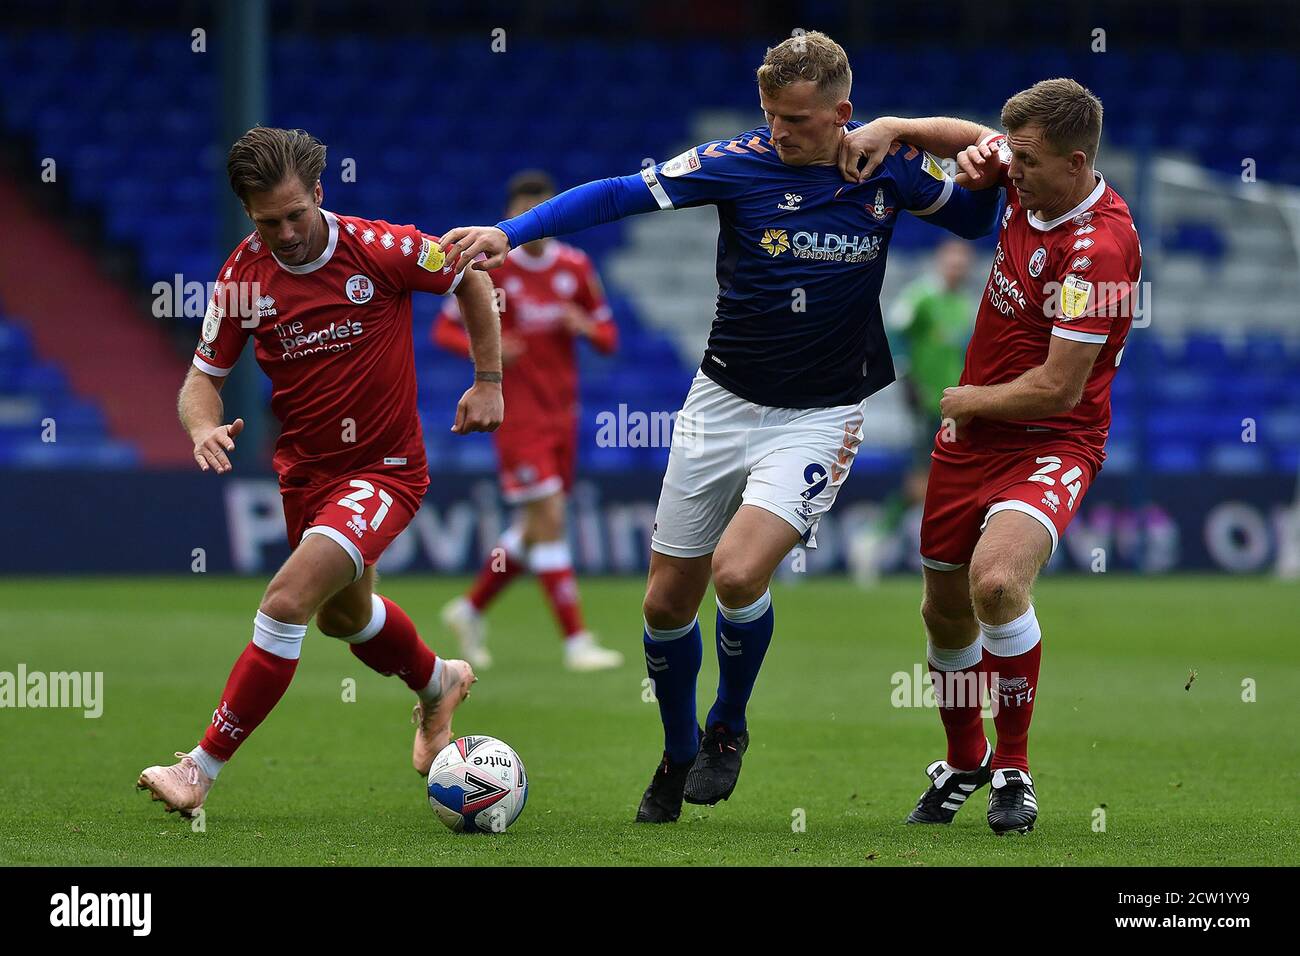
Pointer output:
x,y
1075,296
431,257
931,166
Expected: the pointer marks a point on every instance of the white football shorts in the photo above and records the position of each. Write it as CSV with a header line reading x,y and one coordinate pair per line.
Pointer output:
x,y
727,451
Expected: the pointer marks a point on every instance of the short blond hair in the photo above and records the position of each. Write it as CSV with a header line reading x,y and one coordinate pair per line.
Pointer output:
x,y
807,56
1068,113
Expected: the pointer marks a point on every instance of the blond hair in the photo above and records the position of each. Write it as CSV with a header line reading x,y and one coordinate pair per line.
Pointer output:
x,y
1068,113
807,56
263,157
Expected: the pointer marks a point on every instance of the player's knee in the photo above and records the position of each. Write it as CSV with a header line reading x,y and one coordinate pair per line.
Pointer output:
x,y
736,583
665,611
941,619
341,622
285,604
994,588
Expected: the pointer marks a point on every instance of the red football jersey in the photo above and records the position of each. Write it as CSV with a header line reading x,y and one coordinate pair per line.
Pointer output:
x,y
1075,277
541,386
334,336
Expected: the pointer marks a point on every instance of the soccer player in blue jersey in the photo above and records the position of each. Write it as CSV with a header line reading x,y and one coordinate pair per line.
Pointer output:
x,y
774,418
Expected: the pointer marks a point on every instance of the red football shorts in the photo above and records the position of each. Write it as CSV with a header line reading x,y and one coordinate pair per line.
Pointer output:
x,y
536,463
1045,482
363,512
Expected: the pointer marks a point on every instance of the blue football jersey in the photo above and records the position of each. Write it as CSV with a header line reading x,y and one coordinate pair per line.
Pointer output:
x,y
801,258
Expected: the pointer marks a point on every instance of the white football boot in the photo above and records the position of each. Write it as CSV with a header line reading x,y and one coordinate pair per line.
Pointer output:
x,y
582,653
464,620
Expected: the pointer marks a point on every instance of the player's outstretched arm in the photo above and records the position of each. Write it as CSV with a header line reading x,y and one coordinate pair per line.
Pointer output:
x,y
481,408
200,408
863,149
571,211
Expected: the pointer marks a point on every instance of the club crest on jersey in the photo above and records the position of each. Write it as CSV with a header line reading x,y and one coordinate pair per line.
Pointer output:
x,y
564,284
1037,261
879,211
791,204
360,289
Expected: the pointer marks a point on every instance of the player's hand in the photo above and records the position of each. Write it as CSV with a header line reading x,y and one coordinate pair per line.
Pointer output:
x,y
958,404
480,409
978,167
512,347
210,446
867,146
576,321
464,243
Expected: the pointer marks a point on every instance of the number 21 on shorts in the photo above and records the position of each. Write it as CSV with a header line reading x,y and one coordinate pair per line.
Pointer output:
x,y
1050,465
365,490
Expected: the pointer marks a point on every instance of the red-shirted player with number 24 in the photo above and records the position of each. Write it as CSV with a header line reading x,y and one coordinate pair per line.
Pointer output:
x,y
1024,432
327,301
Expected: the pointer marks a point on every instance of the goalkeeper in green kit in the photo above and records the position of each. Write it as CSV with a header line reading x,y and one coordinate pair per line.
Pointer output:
x,y
928,327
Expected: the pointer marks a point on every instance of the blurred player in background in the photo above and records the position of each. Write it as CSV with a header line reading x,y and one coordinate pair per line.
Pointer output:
x,y
928,325
327,301
773,420
1024,434
550,297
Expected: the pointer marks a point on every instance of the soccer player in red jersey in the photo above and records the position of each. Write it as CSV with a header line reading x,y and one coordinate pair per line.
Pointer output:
x,y
1024,432
327,301
550,296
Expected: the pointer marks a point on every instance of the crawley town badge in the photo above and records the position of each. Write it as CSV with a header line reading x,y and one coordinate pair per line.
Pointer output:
x,y
360,289
1036,261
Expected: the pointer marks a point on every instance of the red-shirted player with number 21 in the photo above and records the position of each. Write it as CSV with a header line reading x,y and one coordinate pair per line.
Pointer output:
x,y
550,298
1024,432
327,301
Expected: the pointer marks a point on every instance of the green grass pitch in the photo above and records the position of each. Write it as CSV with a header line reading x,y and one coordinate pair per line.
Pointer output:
x,y
1193,776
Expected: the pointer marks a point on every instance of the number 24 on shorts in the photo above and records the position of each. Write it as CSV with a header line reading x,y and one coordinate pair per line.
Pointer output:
x,y
1070,479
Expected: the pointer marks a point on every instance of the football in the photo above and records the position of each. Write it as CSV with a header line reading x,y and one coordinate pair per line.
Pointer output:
x,y
477,785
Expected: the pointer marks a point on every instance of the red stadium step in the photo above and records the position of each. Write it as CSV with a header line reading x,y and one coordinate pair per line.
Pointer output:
x,y
111,352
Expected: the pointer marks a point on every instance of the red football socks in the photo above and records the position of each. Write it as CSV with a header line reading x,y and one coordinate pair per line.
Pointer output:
x,y
1012,652
397,649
